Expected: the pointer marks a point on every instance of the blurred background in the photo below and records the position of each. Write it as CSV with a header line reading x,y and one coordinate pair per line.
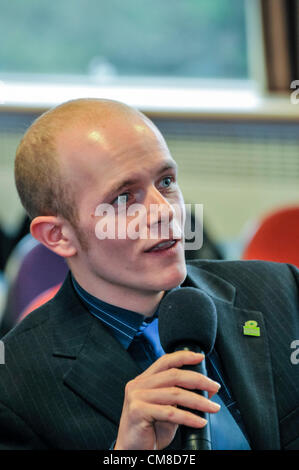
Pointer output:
x,y
219,79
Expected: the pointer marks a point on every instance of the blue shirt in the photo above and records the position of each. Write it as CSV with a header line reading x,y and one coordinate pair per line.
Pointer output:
x,y
227,429
123,324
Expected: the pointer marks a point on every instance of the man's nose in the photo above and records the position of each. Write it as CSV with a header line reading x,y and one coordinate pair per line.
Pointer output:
x,y
159,210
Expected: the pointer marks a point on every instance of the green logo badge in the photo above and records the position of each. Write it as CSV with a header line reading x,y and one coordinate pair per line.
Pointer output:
x,y
251,329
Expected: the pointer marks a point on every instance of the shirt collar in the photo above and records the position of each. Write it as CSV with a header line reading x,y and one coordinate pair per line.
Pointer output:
x,y
123,324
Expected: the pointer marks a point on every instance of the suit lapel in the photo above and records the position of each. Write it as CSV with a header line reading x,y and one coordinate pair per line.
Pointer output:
x,y
101,366
246,360
101,371
247,364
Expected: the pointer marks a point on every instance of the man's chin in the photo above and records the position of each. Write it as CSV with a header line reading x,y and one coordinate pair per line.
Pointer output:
x,y
172,278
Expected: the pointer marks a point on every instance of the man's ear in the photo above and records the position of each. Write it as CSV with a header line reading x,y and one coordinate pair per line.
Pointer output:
x,y
55,234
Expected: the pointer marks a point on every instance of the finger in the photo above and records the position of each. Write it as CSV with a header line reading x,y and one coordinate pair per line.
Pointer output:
x,y
177,378
211,394
176,396
171,414
177,359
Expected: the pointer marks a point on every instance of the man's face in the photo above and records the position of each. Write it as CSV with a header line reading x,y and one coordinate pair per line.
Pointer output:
x,y
121,164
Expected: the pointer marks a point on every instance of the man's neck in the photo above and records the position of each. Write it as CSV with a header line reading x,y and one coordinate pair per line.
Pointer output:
x,y
143,302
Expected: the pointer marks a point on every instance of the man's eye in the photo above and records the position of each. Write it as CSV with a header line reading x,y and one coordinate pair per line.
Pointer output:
x,y
166,182
121,199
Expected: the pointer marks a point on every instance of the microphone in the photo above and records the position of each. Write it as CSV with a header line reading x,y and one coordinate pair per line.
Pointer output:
x,y
188,321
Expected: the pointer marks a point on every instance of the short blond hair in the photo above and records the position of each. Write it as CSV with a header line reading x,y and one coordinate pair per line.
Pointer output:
x,y
38,177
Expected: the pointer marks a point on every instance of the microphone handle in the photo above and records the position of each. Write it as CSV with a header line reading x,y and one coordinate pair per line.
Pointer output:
x,y
194,438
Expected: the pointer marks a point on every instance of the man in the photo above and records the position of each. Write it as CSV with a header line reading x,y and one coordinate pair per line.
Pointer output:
x,y
75,376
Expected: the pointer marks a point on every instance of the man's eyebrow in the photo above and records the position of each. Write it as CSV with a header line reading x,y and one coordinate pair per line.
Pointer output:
x,y
171,165
117,187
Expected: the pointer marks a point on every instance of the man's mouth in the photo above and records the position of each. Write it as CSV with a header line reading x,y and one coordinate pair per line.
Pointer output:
x,y
162,246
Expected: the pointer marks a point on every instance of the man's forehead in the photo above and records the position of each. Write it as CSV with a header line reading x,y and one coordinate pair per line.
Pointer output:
x,y
93,145
106,156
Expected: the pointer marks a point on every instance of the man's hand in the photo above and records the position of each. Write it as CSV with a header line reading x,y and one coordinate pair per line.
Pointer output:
x,y
150,416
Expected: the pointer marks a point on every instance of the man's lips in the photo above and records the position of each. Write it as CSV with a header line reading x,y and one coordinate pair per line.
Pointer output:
x,y
162,245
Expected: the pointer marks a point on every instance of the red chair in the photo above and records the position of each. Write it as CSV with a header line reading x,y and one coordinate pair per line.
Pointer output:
x,y
39,301
276,238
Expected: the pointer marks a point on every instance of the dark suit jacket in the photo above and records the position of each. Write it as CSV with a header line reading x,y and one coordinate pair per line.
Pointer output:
x,y
62,385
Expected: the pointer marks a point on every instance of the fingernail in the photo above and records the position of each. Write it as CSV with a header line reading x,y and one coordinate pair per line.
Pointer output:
x,y
203,421
214,406
214,382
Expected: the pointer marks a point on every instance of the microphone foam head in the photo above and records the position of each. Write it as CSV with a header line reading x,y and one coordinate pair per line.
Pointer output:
x,y
187,316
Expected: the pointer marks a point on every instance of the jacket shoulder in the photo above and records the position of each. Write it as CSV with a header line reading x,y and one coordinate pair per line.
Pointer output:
x,y
33,320
229,268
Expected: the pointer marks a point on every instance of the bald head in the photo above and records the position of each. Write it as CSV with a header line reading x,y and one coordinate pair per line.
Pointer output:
x,y
44,170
